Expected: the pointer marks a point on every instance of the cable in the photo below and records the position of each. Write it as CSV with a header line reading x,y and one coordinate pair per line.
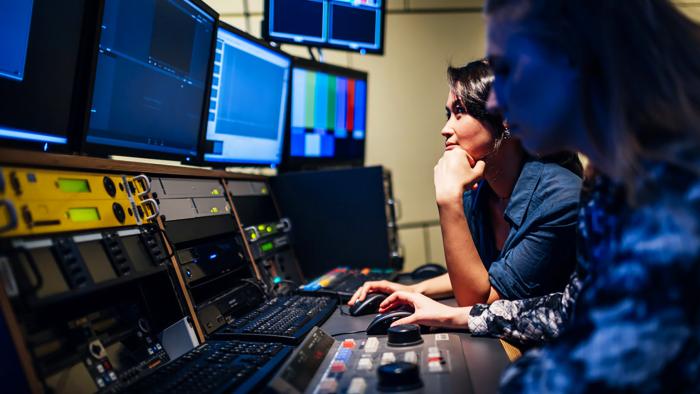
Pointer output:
x,y
349,333
256,283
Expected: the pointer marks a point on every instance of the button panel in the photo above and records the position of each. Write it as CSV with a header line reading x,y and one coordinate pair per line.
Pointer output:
x,y
353,366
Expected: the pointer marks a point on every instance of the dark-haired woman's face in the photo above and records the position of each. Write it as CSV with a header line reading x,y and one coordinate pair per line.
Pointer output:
x,y
464,131
535,89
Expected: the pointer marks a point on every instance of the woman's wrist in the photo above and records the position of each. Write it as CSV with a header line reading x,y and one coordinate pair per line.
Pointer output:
x,y
418,288
449,199
459,317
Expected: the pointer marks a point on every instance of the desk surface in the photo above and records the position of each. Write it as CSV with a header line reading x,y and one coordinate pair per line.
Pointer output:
x,y
486,358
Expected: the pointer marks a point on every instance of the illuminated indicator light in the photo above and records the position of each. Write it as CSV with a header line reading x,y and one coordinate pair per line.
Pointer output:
x,y
83,214
263,190
188,273
269,229
266,247
212,256
214,210
253,236
215,192
73,185
261,227
277,280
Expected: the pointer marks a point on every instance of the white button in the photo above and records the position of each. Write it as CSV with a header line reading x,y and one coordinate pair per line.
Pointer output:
x,y
100,382
364,364
371,345
410,357
434,366
388,358
100,368
328,385
357,386
112,375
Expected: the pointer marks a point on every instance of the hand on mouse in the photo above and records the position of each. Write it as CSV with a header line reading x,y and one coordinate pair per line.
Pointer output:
x,y
428,312
382,286
455,171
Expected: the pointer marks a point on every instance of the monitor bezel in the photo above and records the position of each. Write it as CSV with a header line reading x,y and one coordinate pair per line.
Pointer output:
x,y
265,32
104,150
294,163
203,135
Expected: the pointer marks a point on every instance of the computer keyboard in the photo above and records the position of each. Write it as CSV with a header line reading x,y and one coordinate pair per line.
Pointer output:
x,y
284,319
214,367
342,282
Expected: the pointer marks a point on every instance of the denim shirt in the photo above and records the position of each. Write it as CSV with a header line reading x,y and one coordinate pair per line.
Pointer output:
x,y
539,254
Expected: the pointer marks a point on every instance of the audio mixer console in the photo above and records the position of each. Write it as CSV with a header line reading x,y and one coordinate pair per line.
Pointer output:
x,y
404,361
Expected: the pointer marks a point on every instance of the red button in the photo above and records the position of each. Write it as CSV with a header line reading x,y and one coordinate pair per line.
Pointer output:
x,y
338,366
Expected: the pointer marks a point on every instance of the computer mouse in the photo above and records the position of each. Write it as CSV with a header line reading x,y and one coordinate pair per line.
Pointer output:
x,y
368,306
427,271
380,324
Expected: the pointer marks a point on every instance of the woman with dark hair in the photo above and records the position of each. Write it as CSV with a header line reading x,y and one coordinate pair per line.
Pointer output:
x,y
507,218
620,81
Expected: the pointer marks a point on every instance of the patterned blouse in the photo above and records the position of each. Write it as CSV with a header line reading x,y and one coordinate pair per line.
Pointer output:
x,y
636,323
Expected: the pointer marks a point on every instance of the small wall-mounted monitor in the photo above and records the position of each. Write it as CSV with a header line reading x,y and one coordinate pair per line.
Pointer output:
x,y
352,25
43,46
248,101
151,79
328,116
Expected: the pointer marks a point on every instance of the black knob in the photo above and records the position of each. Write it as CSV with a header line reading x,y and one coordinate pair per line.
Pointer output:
x,y
118,212
110,188
398,376
405,335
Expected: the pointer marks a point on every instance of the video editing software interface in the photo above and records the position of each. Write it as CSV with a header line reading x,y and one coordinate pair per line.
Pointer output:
x,y
328,115
41,52
248,103
151,76
349,24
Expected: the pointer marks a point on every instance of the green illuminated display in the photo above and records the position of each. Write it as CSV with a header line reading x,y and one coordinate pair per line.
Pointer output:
x,y
73,185
267,246
83,214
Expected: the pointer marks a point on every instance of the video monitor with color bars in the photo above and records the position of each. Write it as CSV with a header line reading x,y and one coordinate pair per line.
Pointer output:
x,y
328,116
44,47
151,79
351,25
248,103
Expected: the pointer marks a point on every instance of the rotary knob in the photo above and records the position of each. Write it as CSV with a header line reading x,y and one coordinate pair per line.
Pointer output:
x,y
398,376
404,335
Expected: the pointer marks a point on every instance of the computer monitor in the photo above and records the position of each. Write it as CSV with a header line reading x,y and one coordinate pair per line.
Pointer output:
x,y
43,46
352,25
151,78
328,116
248,101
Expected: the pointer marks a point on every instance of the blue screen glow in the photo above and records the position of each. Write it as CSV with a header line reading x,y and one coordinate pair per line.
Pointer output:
x,y
15,23
248,102
151,77
351,24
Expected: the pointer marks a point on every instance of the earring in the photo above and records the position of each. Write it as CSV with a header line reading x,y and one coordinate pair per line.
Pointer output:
x,y
506,133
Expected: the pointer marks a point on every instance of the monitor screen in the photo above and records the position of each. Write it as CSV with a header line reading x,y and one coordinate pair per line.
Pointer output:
x,y
42,48
328,113
355,25
248,101
151,78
